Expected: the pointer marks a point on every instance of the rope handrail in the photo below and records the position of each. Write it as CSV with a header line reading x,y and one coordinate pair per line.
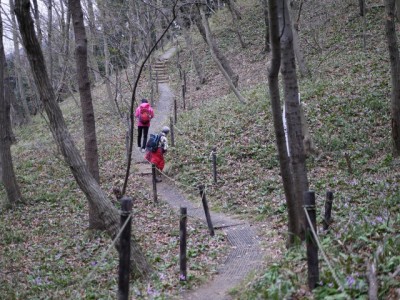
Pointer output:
x,y
105,253
323,253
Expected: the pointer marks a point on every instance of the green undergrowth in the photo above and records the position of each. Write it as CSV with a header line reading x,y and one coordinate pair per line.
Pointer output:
x,y
347,104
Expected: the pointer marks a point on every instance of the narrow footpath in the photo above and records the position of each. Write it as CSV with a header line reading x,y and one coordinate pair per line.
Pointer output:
x,y
245,254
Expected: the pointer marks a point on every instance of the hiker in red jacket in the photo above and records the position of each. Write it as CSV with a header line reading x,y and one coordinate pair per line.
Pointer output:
x,y
144,113
157,157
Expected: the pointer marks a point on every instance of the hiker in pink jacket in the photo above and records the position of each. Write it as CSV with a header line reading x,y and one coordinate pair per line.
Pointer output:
x,y
144,113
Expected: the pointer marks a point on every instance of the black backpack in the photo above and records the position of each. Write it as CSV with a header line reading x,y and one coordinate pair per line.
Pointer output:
x,y
152,143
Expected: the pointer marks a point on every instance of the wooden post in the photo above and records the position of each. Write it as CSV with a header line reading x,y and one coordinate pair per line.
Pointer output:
x,y
214,161
206,210
157,81
184,81
182,245
175,110
125,250
328,209
154,174
312,247
171,127
183,96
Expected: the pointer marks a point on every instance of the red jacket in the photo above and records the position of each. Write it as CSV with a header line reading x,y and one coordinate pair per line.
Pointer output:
x,y
156,158
137,113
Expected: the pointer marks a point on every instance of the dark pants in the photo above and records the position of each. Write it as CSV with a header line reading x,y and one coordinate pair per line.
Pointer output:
x,y
142,130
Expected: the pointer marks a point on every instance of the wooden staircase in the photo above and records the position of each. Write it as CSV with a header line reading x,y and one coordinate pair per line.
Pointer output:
x,y
159,72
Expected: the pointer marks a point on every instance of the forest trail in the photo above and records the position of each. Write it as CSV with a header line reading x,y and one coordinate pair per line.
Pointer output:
x,y
245,254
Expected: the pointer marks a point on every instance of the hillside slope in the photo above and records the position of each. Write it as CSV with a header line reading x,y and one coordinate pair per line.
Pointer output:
x,y
347,102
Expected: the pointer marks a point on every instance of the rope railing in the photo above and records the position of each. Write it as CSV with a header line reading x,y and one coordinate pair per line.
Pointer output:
x,y
323,253
105,253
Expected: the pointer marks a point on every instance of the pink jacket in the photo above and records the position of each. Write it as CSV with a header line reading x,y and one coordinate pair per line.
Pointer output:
x,y
137,113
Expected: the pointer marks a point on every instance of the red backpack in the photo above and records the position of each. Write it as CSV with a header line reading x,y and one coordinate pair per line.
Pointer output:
x,y
144,116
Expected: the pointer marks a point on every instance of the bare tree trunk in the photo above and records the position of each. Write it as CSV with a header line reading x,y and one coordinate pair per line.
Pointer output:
x,y
398,9
37,21
234,78
89,122
63,85
8,176
304,71
216,59
293,117
235,22
27,114
107,62
273,80
50,38
267,47
85,180
195,59
395,74
92,40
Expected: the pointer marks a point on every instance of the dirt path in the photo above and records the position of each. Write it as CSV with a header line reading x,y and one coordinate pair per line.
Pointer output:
x,y
246,253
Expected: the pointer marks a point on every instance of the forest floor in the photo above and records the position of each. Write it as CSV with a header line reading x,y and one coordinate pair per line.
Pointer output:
x,y
246,253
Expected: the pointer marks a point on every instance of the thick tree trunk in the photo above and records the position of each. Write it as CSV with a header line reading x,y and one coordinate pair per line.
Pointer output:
x,y
293,117
273,80
95,195
213,47
8,176
27,113
395,74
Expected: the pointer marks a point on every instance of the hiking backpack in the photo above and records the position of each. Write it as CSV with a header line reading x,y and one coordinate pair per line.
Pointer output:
x,y
144,115
152,143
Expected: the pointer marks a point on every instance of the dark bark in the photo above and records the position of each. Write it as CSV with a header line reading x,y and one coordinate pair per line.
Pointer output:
x,y
273,80
235,22
92,190
27,114
8,176
267,47
89,122
293,117
395,74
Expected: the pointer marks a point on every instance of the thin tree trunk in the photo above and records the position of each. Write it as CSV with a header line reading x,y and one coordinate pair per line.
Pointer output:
x,y
37,21
235,22
107,61
292,107
92,40
234,78
267,47
195,59
8,176
27,113
89,122
216,59
50,38
304,71
395,74
95,195
273,80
